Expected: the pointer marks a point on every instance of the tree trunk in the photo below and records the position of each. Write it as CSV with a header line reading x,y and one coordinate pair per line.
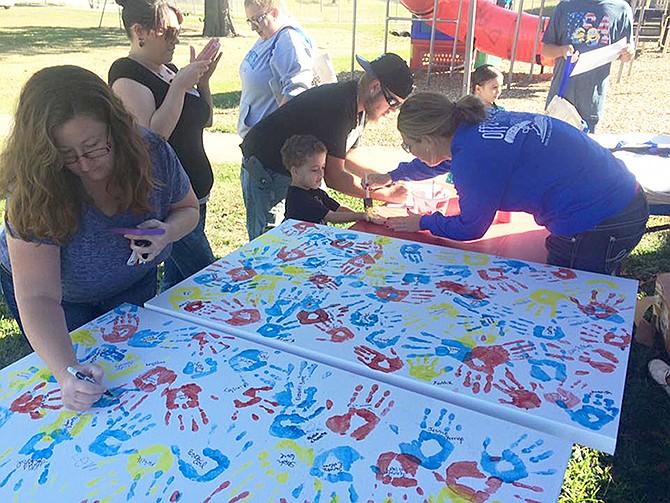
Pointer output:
x,y
217,19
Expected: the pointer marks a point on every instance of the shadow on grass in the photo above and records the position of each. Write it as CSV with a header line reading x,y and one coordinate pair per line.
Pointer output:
x,y
36,40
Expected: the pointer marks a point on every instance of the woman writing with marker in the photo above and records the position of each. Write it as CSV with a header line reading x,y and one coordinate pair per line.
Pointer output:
x,y
74,169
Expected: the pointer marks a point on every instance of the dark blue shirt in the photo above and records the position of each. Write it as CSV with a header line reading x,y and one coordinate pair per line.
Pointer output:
x,y
536,164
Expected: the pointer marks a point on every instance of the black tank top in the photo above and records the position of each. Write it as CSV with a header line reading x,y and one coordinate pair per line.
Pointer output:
x,y
186,139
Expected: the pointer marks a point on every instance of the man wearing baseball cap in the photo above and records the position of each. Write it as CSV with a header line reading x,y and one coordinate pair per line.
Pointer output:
x,y
336,114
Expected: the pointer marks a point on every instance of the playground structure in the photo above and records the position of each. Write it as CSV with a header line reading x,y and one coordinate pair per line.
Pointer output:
x,y
470,26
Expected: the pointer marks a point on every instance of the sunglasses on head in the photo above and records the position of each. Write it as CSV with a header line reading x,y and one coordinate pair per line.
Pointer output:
x,y
392,101
255,22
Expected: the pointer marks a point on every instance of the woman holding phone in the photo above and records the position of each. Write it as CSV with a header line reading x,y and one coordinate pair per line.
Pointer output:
x,y
175,103
74,170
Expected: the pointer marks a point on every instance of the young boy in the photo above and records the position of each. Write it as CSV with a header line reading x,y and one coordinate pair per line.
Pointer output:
x,y
304,156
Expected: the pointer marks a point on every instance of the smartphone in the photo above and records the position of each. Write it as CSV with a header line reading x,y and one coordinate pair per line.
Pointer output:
x,y
151,231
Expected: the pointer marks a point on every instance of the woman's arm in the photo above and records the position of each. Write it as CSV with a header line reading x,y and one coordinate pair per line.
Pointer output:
x,y
37,286
182,219
292,65
140,102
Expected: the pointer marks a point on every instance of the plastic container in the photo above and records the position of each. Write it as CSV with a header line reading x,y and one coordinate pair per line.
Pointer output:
x,y
425,202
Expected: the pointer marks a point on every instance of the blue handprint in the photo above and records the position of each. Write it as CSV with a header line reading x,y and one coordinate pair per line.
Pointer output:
x,y
509,465
201,369
110,441
335,465
107,352
596,411
441,347
221,464
416,279
539,368
248,360
147,338
437,433
412,252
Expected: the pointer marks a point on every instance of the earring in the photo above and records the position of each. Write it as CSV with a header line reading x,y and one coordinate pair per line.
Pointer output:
x,y
141,42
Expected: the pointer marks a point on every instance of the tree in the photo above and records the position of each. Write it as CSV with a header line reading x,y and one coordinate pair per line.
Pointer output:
x,y
217,19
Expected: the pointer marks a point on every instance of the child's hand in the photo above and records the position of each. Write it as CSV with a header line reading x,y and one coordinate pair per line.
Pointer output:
x,y
376,180
374,217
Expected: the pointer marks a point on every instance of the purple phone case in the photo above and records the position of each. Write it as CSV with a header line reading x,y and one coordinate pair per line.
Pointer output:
x,y
152,231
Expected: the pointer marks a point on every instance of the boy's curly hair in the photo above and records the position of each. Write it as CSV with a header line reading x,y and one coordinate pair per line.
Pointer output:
x,y
299,147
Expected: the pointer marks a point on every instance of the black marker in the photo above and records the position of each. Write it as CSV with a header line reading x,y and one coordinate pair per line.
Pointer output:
x,y
367,200
83,377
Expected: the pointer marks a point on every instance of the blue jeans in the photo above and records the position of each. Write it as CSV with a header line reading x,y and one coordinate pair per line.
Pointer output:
x,y
189,255
603,248
78,314
264,192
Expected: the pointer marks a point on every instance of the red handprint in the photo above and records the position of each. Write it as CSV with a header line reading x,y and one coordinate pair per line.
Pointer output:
x,y
254,399
597,309
342,424
35,403
499,280
469,469
123,328
462,290
355,264
188,396
241,273
521,397
322,281
378,361
398,470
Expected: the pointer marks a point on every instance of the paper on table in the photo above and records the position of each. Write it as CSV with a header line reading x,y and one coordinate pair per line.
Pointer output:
x,y
598,57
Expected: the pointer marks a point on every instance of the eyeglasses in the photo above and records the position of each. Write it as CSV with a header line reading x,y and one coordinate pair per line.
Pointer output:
x,y
255,22
96,153
392,101
406,147
170,34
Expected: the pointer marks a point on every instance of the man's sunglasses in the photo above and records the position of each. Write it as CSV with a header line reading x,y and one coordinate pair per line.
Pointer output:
x,y
392,101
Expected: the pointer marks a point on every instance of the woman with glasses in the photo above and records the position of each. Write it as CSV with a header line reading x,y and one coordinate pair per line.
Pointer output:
x,y
86,190
591,204
278,67
176,104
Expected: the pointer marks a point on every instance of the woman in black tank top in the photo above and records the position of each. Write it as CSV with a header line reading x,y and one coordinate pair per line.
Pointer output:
x,y
176,104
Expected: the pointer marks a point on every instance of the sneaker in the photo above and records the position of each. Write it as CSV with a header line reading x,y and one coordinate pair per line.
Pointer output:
x,y
660,371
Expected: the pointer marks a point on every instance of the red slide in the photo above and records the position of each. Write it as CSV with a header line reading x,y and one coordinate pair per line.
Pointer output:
x,y
494,26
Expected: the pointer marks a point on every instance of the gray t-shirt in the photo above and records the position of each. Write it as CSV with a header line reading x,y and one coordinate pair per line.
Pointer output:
x,y
587,25
93,263
280,66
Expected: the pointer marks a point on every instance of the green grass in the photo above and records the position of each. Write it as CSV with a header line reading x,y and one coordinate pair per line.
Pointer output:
x,y
38,36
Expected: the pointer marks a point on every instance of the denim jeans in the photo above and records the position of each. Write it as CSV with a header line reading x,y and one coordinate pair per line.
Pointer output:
x,y
78,314
264,192
189,255
603,248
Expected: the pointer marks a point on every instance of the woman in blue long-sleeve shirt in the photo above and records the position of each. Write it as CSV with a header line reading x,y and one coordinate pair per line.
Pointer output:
x,y
591,204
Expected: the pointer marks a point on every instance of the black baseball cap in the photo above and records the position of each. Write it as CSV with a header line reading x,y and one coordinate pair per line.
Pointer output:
x,y
392,72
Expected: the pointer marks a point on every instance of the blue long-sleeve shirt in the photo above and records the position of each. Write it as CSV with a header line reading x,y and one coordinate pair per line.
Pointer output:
x,y
417,170
536,164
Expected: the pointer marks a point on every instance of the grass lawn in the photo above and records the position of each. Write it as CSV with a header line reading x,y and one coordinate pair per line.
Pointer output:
x,y
32,37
